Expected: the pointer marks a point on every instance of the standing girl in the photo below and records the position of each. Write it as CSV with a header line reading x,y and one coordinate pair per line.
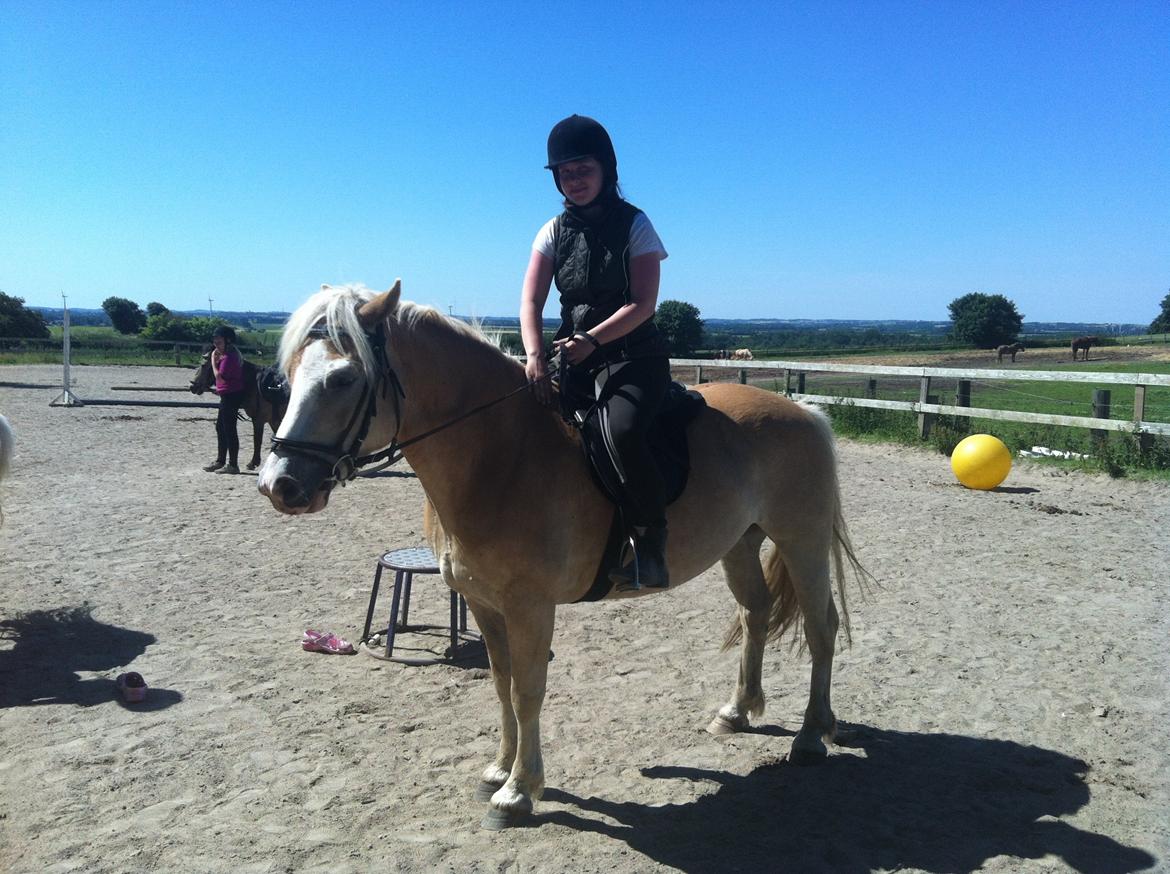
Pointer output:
x,y
605,257
228,366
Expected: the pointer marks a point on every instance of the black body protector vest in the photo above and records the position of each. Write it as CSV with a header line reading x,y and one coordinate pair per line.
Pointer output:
x,y
592,272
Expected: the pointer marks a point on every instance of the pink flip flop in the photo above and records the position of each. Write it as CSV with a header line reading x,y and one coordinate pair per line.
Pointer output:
x,y
131,686
324,641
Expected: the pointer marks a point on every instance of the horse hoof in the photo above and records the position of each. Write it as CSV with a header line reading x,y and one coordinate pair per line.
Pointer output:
x,y
721,726
485,790
804,757
496,820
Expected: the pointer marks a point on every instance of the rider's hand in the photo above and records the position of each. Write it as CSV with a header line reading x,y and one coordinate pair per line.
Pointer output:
x,y
537,371
576,351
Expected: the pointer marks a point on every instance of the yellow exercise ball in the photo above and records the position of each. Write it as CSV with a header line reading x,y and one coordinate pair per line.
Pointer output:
x,y
981,461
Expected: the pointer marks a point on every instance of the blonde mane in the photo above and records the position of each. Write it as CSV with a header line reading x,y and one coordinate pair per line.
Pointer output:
x,y
335,307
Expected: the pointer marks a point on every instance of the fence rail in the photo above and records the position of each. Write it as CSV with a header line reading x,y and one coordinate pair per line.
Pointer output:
x,y
927,406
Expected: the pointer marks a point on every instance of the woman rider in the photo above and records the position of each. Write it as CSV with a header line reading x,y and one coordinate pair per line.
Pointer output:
x,y
605,257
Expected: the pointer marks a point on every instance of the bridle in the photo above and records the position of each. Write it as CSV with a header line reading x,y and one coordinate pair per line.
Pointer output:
x,y
344,462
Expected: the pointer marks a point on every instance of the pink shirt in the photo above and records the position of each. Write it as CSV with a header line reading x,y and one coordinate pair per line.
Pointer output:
x,y
231,372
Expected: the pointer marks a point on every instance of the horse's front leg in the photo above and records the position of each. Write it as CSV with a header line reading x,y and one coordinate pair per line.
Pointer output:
x,y
257,439
495,638
530,630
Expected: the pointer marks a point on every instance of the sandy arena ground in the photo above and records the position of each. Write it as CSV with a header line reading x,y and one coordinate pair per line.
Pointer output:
x,y
1005,697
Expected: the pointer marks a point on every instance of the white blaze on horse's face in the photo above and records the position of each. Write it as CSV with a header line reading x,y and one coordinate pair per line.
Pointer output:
x,y
326,389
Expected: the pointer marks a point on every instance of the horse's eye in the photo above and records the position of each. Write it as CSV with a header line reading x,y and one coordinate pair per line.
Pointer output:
x,y
341,379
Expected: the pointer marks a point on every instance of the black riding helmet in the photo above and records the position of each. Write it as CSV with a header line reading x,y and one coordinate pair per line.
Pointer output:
x,y
228,333
578,137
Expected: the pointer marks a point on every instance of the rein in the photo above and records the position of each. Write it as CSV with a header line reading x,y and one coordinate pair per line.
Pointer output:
x,y
346,464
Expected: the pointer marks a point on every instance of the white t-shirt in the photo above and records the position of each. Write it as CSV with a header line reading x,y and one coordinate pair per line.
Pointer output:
x,y
644,239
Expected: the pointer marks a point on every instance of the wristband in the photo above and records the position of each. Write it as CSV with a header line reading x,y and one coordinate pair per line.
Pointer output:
x,y
585,335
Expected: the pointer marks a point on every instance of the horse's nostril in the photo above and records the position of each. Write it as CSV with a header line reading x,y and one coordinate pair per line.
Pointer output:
x,y
289,492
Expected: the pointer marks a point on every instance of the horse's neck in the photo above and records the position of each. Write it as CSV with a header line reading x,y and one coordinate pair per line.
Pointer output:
x,y
490,459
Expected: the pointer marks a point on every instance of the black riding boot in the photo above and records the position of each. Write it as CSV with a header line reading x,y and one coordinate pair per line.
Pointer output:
x,y
648,568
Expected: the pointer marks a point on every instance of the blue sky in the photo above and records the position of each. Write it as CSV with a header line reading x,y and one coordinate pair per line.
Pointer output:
x,y
800,160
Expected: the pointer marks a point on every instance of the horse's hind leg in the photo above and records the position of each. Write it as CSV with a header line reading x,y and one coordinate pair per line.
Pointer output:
x,y
808,567
745,578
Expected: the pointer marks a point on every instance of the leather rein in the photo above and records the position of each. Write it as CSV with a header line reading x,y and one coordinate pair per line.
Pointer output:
x,y
345,464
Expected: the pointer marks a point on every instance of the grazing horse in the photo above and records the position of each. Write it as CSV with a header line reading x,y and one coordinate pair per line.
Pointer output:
x,y
1009,350
518,525
260,409
741,355
1083,343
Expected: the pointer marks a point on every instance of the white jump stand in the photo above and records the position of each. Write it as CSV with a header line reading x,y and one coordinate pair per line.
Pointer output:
x,y
406,563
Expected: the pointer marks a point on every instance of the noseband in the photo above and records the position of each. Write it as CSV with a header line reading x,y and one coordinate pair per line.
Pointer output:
x,y
343,461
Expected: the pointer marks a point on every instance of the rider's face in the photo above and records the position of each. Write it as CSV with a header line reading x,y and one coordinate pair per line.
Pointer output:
x,y
580,180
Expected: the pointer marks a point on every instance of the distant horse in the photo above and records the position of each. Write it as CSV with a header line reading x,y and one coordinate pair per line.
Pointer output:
x,y
1083,343
1009,350
7,444
741,355
262,409
521,527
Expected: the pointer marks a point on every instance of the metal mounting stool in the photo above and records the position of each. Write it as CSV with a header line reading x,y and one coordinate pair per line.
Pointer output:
x,y
406,563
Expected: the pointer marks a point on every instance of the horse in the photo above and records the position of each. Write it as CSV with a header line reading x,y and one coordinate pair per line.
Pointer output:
x,y
261,409
1009,350
1083,343
519,527
741,355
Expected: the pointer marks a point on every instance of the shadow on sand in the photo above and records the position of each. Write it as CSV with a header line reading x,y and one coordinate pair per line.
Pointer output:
x,y
51,646
936,802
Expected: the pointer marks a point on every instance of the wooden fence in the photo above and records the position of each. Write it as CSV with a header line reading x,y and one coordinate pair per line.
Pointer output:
x,y
927,405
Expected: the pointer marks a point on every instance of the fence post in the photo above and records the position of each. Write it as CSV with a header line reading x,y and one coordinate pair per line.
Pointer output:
x,y
1145,441
743,377
1100,411
871,388
927,419
178,355
800,382
924,420
698,374
787,382
963,394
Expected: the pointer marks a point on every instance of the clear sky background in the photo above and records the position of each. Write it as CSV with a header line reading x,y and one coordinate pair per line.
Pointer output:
x,y
799,159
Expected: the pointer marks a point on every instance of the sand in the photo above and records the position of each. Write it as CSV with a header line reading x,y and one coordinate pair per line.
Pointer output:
x,y
1004,702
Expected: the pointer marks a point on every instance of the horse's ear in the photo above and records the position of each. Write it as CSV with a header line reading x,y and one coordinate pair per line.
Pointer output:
x,y
378,309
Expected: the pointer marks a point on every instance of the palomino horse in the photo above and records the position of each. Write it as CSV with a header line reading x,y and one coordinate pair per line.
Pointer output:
x,y
260,409
741,355
1009,350
1085,343
521,527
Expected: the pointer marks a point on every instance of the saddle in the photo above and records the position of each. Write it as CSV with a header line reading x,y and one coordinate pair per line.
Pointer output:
x,y
668,443
272,385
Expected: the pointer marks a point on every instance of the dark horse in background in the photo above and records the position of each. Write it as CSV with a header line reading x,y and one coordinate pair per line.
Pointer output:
x,y
1084,343
265,398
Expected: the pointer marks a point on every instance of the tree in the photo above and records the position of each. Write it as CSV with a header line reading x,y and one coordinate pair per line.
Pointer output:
x,y
17,320
125,314
984,320
1161,324
680,324
166,326
154,308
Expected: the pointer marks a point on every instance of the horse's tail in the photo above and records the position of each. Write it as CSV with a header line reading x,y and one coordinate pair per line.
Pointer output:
x,y
785,607
7,442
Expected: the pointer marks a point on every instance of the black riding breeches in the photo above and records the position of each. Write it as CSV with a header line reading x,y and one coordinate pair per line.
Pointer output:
x,y
227,439
631,393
